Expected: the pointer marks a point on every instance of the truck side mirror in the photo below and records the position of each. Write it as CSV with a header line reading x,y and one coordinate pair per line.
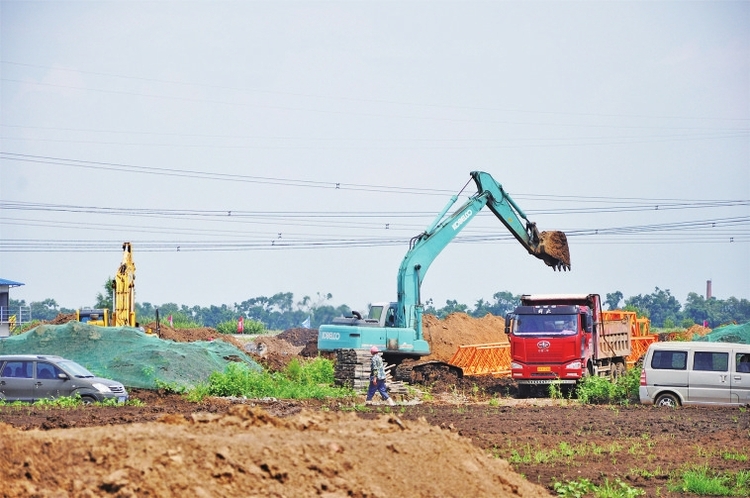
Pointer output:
x,y
586,322
508,320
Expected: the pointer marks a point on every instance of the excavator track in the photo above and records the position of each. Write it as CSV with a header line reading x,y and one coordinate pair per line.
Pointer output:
x,y
425,372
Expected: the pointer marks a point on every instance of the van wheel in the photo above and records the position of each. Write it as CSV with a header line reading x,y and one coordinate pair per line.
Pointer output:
x,y
667,399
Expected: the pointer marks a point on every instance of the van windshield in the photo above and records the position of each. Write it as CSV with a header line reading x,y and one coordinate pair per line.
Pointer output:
x,y
545,325
75,369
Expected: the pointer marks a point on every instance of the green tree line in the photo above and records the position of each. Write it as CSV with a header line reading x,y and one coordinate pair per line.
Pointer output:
x,y
281,311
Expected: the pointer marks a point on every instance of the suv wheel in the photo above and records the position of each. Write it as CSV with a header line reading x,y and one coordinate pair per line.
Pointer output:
x,y
87,400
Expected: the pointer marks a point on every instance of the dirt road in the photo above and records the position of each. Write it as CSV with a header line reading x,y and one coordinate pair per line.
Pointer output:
x,y
216,448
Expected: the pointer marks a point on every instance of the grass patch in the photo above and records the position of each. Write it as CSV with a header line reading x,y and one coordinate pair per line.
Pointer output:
x,y
74,401
299,380
734,455
705,482
564,452
584,487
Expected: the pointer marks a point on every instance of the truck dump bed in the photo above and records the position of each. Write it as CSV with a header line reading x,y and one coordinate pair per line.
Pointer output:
x,y
614,338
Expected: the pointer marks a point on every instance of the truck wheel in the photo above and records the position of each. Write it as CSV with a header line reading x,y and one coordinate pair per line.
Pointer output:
x,y
590,370
667,399
616,370
623,368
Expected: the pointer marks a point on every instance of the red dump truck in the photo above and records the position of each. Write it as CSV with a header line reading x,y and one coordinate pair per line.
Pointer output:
x,y
562,338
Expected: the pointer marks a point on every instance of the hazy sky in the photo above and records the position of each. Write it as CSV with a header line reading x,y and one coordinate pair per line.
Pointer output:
x,y
251,148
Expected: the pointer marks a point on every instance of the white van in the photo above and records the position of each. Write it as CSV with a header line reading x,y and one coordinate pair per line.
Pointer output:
x,y
696,373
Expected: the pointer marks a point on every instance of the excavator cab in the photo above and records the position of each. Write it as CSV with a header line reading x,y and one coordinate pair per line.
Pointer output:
x,y
98,317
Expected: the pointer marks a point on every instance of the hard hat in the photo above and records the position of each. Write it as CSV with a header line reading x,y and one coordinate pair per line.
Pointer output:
x,y
374,349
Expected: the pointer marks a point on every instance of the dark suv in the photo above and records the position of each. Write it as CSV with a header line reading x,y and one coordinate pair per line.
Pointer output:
x,y
33,377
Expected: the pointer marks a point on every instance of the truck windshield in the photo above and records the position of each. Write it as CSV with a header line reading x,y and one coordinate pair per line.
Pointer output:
x,y
546,325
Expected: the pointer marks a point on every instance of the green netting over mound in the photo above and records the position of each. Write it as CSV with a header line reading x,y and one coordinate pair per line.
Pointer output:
x,y
128,355
729,333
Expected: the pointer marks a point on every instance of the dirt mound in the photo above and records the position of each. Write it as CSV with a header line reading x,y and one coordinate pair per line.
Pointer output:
x,y
299,336
191,335
460,329
685,335
698,331
62,318
249,452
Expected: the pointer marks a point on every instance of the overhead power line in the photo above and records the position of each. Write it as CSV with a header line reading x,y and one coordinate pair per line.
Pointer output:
x,y
206,175
636,203
726,230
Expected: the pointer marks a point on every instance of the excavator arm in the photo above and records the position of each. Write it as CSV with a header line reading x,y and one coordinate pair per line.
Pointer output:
x,y
551,247
125,289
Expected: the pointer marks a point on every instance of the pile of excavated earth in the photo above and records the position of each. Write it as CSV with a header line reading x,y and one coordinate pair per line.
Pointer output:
x,y
247,452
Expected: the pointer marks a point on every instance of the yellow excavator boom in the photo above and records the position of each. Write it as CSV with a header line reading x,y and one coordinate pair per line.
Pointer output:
x,y
125,289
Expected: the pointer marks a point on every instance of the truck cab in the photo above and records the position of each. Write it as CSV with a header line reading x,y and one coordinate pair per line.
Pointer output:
x,y
595,343
549,343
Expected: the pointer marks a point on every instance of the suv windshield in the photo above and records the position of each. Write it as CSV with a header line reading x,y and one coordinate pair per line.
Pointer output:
x,y
546,325
75,369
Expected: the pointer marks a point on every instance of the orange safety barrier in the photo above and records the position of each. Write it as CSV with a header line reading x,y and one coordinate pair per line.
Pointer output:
x,y
640,332
639,345
483,359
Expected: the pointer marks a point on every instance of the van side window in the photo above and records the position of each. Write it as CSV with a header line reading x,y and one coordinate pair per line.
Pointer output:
x,y
711,361
20,369
743,362
46,371
669,360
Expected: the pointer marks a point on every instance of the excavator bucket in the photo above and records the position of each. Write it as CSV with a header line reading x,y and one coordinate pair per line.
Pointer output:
x,y
553,250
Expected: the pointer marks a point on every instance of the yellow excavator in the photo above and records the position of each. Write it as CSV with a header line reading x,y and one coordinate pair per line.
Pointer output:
x,y
124,297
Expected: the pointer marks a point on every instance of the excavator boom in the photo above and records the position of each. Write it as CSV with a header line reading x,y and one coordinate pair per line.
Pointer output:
x,y
125,289
398,325
550,247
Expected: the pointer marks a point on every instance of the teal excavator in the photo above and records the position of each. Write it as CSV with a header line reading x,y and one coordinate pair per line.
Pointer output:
x,y
396,327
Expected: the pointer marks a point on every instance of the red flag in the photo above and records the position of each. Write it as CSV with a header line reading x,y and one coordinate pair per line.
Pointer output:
x,y
170,321
241,325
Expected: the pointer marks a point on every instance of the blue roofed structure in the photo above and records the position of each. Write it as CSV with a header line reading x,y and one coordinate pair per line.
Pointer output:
x,y
10,283
11,318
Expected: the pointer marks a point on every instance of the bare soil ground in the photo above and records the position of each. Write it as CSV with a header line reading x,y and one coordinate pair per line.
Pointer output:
x,y
457,444
224,447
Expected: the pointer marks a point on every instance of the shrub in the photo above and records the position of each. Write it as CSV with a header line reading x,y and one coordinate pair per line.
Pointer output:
x,y
250,327
299,380
600,390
